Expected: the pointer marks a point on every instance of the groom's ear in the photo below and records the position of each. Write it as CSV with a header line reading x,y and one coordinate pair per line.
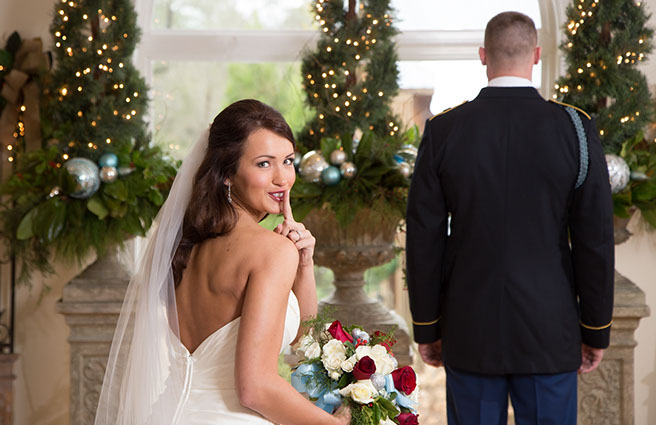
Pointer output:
x,y
483,55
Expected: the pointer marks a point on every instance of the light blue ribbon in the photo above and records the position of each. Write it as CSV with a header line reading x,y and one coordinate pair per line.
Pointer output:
x,y
401,399
326,400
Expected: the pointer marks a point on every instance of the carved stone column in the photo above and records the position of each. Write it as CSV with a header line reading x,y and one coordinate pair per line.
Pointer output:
x,y
91,303
606,396
7,377
367,242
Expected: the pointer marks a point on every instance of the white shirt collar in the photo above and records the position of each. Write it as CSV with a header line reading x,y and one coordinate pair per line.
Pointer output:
x,y
509,81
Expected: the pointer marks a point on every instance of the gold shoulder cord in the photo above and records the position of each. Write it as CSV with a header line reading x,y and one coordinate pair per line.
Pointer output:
x,y
571,106
447,110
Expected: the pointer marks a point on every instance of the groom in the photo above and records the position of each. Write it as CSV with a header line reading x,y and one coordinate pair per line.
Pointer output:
x,y
510,264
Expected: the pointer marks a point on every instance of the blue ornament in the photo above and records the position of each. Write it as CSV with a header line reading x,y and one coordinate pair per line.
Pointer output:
x,y
331,176
399,159
108,159
85,174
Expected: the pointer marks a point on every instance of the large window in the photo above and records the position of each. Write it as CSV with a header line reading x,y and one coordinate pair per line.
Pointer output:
x,y
200,55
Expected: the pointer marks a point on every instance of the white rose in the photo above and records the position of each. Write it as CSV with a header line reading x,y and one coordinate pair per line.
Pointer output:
x,y
384,364
387,421
362,351
308,347
348,364
335,375
334,353
362,392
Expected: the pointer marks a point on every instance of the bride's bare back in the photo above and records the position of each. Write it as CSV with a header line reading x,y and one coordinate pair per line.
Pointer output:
x,y
211,292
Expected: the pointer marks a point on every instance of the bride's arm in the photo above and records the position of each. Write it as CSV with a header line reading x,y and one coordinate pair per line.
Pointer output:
x,y
261,329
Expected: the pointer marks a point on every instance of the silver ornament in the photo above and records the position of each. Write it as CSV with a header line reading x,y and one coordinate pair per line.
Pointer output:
x,y
409,154
108,174
338,157
618,172
355,333
348,170
378,381
85,174
405,169
312,164
364,336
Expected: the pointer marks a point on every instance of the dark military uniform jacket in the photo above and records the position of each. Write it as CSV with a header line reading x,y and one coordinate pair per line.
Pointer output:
x,y
508,263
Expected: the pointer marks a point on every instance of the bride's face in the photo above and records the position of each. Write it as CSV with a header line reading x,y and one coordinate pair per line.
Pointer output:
x,y
265,171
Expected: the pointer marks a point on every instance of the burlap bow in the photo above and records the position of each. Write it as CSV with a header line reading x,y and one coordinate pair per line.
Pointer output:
x,y
19,89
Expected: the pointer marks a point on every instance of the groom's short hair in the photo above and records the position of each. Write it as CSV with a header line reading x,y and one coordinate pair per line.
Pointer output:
x,y
510,36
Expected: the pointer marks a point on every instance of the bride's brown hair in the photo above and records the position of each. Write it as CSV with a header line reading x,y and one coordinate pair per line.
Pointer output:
x,y
209,214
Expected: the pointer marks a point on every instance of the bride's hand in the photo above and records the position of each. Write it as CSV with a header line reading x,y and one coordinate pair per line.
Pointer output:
x,y
297,233
343,414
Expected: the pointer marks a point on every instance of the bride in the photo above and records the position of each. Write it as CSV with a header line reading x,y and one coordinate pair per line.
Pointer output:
x,y
216,297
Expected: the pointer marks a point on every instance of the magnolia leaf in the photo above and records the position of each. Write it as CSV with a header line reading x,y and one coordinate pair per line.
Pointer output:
x,y
644,192
25,230
117,190
58,221
156,197
96,206
650,216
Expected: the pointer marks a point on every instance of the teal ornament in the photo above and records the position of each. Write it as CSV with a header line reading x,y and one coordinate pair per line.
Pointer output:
x,y
331,176
85,174
108,174
398,159
108,159
312,165
348,170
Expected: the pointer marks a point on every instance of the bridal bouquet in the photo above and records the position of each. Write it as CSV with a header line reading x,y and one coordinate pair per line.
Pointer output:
x,y
346,365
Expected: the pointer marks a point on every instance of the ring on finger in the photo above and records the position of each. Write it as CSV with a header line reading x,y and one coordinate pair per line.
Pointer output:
x,y
297,232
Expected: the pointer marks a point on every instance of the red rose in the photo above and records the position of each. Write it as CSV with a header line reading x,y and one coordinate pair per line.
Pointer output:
x,y
338,333
407,419
405,379
364,368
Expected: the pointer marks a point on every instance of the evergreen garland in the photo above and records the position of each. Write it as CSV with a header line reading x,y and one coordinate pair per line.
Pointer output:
x,y
604,43
95,102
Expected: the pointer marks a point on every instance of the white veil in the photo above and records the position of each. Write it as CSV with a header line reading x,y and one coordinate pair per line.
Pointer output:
x,y
148,367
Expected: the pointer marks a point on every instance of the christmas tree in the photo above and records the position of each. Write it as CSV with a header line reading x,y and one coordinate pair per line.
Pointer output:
x,y
97,180
351,76
358,157
605,41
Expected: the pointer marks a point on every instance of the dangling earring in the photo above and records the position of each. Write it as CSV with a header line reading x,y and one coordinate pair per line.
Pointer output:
x,y
229,197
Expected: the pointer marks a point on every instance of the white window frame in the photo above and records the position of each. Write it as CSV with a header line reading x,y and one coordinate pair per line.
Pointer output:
x,y
287,45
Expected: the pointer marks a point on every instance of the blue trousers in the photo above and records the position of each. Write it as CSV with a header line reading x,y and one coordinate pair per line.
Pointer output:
x,y
474,399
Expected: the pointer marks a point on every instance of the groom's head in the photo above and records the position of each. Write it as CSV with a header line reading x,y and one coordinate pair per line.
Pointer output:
x,y
510,45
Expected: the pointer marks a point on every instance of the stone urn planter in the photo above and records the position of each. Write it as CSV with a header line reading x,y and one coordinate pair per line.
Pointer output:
x,y
91,303
367,242
606,395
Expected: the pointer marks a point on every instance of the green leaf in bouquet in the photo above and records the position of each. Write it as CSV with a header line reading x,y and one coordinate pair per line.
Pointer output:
x,y
388,406
25,229
96,206
345,380
376,413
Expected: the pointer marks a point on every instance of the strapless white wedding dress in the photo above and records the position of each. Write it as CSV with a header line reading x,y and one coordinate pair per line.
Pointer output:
x,y
210,394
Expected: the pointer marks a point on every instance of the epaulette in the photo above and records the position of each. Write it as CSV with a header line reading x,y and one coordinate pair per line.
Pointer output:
x,y
447,110
571,106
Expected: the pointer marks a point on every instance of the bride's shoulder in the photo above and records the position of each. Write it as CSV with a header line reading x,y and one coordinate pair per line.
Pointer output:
x,y
266,248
